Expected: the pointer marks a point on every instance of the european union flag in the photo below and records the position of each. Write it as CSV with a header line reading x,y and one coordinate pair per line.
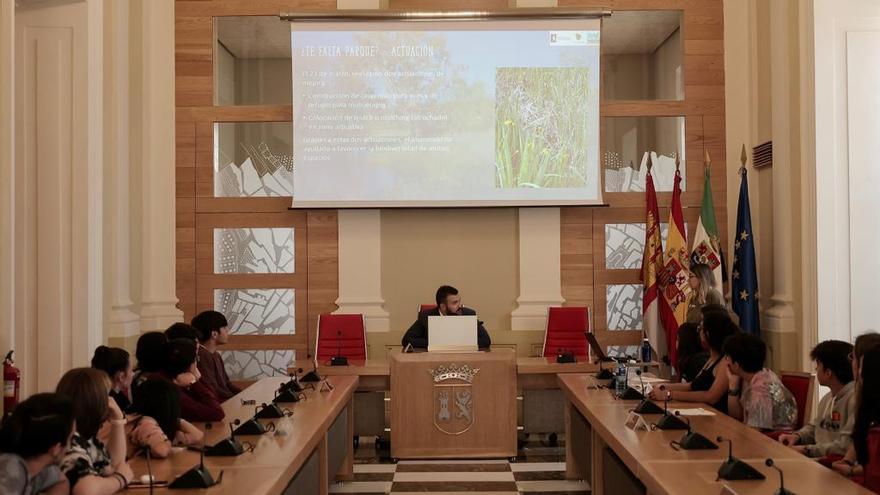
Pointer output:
x,y
744,286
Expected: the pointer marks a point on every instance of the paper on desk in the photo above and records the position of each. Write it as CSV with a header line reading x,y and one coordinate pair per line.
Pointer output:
x,y
693,411
653,379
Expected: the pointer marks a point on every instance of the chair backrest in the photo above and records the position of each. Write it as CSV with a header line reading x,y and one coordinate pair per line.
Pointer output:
x,y
802,386
425,307
872,469
565,331
340,334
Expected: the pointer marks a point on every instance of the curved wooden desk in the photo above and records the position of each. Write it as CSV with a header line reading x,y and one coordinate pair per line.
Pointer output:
x,y
313,445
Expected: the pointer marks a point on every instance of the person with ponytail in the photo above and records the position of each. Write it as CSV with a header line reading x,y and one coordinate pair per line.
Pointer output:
x,y
33,440
116,363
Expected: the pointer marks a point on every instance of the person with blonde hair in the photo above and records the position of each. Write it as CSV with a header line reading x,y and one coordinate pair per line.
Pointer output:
x,y
704,290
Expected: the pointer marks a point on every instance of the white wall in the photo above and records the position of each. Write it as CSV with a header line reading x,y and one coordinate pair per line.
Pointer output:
x,y
58,190
847,75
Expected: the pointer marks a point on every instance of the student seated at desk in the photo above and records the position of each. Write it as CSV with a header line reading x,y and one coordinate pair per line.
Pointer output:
x,y
94,467
150,353
197,401
213,331
756,395
691,355
448,304
710,385
32,440
865,360
829,432
154,420
116,363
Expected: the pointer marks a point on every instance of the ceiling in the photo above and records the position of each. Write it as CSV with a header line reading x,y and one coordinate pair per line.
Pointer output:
x,y
622,33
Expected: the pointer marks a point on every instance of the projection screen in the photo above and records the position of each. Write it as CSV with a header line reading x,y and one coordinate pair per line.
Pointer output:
x,y
446,113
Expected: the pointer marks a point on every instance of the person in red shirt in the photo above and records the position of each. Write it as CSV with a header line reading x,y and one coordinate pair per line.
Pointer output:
x,y
213,331
198,402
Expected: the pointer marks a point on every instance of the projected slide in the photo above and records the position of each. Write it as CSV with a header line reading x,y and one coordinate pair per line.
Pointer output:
x,y
447,115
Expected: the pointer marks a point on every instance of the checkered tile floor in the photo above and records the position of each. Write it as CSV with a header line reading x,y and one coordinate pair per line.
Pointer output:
x,y
537,469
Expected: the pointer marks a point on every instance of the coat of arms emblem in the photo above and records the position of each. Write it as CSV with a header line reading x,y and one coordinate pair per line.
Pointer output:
x,y
453,398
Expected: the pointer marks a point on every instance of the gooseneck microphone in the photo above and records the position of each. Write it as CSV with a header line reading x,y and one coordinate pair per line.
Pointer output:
x,y
150,469
338,359
692,440
734,469
646,406
670,421
781,491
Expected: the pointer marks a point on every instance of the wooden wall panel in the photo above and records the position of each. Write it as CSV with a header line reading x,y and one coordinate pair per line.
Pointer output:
x,y
583,272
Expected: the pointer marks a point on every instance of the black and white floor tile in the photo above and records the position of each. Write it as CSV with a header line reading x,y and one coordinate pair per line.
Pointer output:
x,y
537,469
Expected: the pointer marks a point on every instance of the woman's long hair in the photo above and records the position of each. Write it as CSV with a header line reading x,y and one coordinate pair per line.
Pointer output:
x,y
688,344
707,281
89,390
867,403
160,400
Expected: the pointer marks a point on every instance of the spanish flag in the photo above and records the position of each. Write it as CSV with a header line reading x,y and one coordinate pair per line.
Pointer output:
x,y
674,279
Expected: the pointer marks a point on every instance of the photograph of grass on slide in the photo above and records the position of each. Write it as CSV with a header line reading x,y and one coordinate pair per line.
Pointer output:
x,y
541,133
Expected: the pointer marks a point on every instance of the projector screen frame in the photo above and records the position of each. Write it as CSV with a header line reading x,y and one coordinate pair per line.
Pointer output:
x,y
360,15
519,14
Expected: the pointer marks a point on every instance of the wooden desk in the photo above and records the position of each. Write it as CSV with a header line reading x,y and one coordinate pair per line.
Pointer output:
x,y
374,374
595,427
314,443
802,477
453,405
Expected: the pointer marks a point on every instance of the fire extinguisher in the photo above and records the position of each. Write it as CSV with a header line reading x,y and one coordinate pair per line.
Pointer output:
x,y
11,384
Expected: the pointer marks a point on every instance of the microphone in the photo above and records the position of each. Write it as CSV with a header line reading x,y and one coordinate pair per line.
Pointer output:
x,y
268,411
565,356
646,406
196,477
781,491
631,393
693,440
228,446
338,359
734,469
250,427
670,421
150,468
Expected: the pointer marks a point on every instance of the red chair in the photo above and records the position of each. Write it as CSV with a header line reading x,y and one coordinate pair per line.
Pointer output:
x,y
802,386
565,331
425,307
340,335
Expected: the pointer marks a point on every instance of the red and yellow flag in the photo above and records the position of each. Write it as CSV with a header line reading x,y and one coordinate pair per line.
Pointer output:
x,y
674,279
652,267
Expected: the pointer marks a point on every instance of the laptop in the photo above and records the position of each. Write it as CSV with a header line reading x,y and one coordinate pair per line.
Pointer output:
x,y
452,333
598,350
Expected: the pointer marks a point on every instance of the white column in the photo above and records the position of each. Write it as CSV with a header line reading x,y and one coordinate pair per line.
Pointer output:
x,y
540,279
121,320
7,176
360,245
360,268
779,317
158,300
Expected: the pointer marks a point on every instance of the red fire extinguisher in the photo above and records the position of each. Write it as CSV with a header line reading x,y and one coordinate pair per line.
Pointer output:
x,y
11,384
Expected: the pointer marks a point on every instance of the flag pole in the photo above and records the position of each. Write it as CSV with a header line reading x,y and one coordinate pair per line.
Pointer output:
x,y
743,159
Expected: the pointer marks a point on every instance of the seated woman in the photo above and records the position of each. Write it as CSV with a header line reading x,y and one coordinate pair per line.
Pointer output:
x,y
710,384
197,401
32,439
691,355
116,363
90,467
154,420
867,402
756,395
150,353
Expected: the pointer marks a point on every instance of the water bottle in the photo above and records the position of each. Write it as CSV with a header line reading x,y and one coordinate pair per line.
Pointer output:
x,y
620,379
646,351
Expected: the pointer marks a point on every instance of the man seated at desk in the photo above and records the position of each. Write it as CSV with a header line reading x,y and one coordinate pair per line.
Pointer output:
x,y
448,304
